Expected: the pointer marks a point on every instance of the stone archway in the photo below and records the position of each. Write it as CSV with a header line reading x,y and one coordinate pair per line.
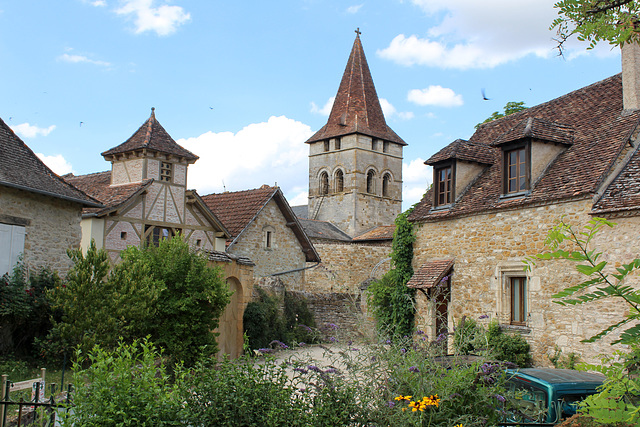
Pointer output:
x,y
230,339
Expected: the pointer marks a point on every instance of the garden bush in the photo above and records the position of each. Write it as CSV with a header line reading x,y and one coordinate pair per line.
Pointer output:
x,y
508,347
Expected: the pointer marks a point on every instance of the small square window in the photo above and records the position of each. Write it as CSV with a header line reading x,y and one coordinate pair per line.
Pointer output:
x,y
198,242
123,235
165,171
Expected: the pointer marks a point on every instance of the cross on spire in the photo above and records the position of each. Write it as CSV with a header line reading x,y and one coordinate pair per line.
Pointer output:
x,y
358,31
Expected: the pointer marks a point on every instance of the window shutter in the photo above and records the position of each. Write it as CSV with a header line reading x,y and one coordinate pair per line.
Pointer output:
x,y
11,246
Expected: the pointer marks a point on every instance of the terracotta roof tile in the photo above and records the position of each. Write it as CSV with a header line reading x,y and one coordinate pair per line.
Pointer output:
x,y
382,232
623,193
356,108
21,168
430,274
600,131
152,136
533,127
98,185
464,150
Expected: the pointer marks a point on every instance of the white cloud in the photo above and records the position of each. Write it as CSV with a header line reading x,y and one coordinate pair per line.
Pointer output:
x,y
261,153
416,177
26,130
324,110
163,20
82,59
473,34
355,8
56,163
390,111
96,3
435,95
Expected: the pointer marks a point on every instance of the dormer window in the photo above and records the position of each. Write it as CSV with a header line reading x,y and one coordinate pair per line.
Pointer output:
x,y
165,171
517,167
443,185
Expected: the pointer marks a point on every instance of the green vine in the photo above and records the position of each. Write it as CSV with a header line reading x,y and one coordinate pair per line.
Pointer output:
x,y
393,304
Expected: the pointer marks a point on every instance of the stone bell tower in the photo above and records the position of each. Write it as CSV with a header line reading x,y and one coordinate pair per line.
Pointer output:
x,y
355,160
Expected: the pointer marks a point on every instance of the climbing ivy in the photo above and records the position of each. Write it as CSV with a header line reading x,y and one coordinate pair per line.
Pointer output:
x,y
392,303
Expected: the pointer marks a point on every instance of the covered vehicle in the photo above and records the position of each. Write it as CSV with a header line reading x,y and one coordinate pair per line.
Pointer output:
x,y
546,395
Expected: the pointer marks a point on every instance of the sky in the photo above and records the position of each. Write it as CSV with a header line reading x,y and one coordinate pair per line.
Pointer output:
x,y
242,84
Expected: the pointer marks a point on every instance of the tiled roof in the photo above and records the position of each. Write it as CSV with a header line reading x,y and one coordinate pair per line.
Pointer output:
x,y
356,108
21,168
430,274
301,211
236,210
323,230
463,150
98,185
533,127
152,136
623,193
382,232
600,131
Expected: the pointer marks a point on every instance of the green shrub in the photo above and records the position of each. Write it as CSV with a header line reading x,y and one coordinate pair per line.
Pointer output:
x,y
469,337
263,322
128,386
508,347
299,321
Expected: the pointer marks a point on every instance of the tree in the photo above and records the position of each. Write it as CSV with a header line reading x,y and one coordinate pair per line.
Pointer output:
x,y
613,21
510,108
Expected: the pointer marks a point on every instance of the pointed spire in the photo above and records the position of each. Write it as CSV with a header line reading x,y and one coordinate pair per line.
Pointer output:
x,y
356,108
151,136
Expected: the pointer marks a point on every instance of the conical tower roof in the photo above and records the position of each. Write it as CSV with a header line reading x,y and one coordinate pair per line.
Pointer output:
x,y
151,136
356,108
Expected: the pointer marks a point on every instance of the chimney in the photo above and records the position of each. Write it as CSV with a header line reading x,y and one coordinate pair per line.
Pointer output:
x,y
631,76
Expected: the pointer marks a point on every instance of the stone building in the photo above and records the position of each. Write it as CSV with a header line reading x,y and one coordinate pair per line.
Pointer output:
x,y
355,160
39,212
495,197
263,227
145,196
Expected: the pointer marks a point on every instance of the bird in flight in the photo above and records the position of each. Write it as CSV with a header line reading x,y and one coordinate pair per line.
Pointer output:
x,y
484,97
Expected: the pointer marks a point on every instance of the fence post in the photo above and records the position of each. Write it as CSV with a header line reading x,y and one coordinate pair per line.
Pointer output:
x,y
5,396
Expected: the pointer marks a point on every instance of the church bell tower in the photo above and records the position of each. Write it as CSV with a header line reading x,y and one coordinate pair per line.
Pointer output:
x,y
355,160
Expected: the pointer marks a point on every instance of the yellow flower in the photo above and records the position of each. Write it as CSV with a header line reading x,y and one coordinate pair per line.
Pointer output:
x,y
458,425
401,397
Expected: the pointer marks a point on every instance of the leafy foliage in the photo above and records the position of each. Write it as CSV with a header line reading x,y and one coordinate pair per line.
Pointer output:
x,y
168,293
25,309
510,108
128,386
612,21
392,302
599,284
508,347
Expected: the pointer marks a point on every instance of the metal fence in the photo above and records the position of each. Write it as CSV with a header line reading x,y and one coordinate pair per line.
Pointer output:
x,y
38,411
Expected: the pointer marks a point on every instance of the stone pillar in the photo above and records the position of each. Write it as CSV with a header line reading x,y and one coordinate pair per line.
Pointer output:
x,y
631,76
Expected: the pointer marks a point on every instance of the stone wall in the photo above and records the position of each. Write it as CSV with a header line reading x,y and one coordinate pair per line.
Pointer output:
x,y
52,226
285,253
488,248
345,266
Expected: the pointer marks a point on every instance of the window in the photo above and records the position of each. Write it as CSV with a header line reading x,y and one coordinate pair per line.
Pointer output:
x,y
443,189
165,171
385,146
123,235
267,243
518,287
371,182
324,183
516,170
11,246
338,143
386,183
158,234
326,145
339,181
268,237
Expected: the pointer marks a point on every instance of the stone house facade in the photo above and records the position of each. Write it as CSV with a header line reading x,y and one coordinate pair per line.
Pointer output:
x,y
39,212
263,227
496,196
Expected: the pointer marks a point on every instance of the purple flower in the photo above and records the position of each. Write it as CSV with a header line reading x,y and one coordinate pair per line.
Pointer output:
x,y
332,339
387,342
484,316
301,344
313,368
301,370
330,371
414,369
373,358
331,326
441,337
419,332
308,329
500,398
279,344
265,350
391,404
403,350
354,349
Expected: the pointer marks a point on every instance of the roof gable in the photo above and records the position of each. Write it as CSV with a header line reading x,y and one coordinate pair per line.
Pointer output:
x,y
21,168
356,108
151,136
237,210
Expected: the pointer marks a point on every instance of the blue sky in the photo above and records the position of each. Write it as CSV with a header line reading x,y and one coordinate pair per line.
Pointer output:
x,y
244,84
